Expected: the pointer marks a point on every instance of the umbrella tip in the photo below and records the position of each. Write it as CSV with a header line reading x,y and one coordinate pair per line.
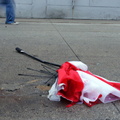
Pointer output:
x,y
19,50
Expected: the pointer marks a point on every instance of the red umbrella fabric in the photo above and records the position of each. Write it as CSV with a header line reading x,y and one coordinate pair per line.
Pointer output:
x,y
78,85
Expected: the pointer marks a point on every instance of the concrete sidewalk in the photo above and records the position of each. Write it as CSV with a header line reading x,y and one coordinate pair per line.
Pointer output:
x,y
95,43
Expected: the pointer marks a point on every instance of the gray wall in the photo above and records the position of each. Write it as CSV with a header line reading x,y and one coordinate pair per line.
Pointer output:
x,y
73,9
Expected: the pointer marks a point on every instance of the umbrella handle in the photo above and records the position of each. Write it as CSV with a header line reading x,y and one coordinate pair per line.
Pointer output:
x,y
19,50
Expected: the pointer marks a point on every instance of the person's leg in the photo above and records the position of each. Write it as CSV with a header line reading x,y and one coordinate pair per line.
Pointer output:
x,y
10,12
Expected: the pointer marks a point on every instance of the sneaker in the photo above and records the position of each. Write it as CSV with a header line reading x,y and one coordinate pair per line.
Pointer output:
x,y
15,23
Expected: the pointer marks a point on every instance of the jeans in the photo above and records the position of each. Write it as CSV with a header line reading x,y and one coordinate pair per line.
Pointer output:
x,y
10,11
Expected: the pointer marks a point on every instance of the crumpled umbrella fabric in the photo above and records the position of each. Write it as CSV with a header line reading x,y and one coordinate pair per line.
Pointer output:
x,y
78,85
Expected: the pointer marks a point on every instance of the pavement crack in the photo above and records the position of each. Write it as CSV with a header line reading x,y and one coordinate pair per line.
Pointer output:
x,y
116,107
10,87
66,42
70,47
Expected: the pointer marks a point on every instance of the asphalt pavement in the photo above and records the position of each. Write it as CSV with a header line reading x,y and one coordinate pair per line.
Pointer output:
x,y
24,84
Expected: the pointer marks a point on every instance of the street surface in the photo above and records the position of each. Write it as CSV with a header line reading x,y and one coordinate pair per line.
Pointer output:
x,y
24,97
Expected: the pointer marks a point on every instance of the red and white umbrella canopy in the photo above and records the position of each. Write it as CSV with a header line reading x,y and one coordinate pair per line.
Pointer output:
x,y
78,85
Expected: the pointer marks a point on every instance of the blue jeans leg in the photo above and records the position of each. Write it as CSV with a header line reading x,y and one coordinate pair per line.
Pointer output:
x,y
10,13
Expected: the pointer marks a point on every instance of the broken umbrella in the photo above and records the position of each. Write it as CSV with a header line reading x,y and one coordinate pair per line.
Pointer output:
x,y
78,85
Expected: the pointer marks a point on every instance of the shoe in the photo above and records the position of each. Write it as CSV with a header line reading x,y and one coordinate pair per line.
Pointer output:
x,y
15,23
